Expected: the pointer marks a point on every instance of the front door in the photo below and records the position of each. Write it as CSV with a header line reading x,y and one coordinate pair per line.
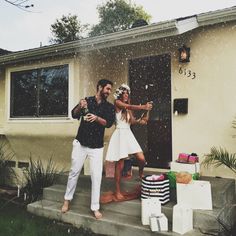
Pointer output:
x,y
150,80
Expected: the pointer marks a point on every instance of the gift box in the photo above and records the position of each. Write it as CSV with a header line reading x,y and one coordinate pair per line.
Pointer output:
x,y
187,158
149,207
188,167
159,188
158,223
196,194
182,221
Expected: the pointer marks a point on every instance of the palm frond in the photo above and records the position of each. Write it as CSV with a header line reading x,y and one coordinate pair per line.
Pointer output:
x,y
220,156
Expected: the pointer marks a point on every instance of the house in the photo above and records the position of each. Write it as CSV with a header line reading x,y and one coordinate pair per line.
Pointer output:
x,y
3,51
193,97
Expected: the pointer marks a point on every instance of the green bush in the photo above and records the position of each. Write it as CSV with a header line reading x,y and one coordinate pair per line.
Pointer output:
x,y
39,176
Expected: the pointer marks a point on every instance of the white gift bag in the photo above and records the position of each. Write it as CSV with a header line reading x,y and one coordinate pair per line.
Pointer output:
x,y
150,206
158,223
182,219
196,194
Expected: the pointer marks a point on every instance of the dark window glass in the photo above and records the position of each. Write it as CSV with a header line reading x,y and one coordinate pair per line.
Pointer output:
x,y
24,93
40,93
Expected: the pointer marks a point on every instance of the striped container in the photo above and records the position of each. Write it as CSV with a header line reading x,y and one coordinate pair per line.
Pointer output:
x,y
156,188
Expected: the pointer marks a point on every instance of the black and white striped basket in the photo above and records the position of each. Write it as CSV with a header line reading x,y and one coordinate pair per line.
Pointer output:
x,y
156,188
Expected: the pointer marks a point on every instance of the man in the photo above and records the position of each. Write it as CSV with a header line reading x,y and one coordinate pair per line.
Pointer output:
x,y
89,142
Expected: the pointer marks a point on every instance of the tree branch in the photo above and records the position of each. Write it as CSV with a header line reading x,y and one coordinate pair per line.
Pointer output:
x,y
21,4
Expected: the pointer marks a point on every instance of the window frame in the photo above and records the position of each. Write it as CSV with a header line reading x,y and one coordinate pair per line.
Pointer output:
x,y
35,67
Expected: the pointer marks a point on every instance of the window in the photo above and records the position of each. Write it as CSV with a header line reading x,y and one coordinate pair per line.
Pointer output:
x,y
40,92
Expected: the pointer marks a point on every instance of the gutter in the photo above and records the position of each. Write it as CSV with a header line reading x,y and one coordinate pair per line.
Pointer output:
x,y
216,17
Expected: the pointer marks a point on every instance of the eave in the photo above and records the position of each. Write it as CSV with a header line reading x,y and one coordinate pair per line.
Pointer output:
x,y
135,35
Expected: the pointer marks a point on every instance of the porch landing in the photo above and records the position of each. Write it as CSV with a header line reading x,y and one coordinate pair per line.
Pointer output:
x,y
124,218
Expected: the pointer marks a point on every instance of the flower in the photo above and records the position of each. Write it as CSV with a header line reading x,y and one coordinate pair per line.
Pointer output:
x,y
120,90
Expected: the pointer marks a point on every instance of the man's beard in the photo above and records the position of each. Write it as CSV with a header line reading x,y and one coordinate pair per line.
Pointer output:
x,y
104,95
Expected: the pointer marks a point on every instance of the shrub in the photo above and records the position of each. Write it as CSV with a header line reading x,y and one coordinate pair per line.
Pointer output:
x,y
220,156
38,176
7,173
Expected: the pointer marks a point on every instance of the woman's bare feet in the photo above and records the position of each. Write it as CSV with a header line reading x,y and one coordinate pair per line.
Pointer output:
x,y
65,206
119,196
97,214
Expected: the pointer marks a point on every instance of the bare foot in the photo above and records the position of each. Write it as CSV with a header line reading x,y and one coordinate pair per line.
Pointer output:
x,y
119,196
97,214
65,206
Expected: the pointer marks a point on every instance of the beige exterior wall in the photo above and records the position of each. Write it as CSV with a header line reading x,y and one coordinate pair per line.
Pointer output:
x,y
2,100
41,138
211,95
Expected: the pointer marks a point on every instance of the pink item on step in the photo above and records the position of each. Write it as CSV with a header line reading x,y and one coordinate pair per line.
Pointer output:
x,y
188,158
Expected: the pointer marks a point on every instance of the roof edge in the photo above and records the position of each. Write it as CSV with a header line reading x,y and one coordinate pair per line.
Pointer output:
x,y
133,35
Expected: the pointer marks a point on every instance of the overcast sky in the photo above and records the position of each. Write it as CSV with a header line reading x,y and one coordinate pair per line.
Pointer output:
x,y
21,30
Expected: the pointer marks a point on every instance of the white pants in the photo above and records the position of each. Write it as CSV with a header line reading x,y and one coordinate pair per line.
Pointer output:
x,y
78,156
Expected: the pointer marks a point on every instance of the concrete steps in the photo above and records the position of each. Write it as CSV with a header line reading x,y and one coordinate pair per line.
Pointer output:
x,y
112,223
124,218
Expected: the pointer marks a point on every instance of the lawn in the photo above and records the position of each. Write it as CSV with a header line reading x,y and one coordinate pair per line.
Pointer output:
x,y
16,221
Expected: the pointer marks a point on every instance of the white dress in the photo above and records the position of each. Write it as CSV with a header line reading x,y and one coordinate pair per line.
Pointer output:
x,y
122,142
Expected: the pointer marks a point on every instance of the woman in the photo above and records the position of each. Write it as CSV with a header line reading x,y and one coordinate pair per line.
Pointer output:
x,y
123,142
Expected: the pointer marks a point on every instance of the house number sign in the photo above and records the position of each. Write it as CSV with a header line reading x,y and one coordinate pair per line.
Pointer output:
x,y
187,73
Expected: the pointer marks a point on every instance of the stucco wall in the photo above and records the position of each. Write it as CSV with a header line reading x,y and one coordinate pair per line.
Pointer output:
x,y
2,99
211,95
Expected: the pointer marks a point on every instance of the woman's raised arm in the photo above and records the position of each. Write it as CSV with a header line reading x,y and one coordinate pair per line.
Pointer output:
x,y
122,105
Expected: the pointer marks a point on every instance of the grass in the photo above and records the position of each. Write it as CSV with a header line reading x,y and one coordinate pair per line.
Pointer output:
x,y
15,220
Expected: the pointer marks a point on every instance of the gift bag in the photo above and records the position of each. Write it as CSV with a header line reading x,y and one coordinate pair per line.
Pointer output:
x,y
171,175
182,221
152,186
196,194
150,206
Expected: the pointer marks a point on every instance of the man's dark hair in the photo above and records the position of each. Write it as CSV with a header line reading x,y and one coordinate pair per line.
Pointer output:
x,y
103,83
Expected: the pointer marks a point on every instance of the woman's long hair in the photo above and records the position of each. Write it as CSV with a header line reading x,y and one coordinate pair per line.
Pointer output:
x,y
125,114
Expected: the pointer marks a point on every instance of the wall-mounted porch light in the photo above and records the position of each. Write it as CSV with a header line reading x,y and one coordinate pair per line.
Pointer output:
x,y
184,54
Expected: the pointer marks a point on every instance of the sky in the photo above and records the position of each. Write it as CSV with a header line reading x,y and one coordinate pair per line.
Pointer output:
x,y
20,30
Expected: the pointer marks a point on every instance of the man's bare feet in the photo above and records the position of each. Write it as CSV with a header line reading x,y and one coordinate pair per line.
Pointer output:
x,y
65,206
97,214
